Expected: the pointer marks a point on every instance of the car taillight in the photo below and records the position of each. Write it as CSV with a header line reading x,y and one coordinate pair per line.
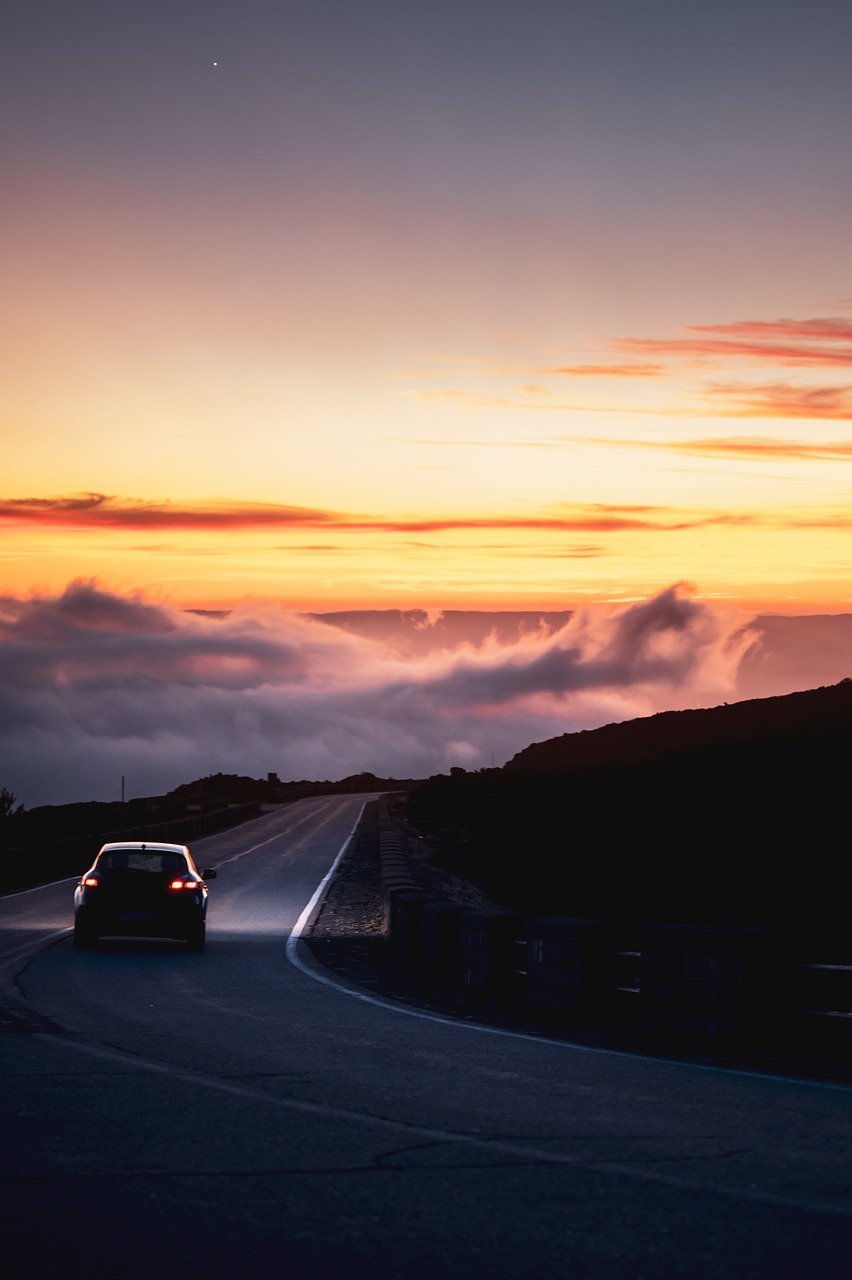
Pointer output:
x,y
90,882
185,884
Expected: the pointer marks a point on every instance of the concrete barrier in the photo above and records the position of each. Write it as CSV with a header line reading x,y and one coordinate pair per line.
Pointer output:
x,y
404,927
438,939
396,879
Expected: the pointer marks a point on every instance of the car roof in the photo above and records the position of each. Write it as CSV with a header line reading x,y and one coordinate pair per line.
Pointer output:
x,y
152,846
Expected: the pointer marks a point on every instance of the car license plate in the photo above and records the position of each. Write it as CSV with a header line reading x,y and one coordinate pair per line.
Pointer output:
x,y
143,916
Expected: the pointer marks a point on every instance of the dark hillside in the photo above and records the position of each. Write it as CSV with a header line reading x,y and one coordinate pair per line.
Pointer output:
x,y
794,717
736,814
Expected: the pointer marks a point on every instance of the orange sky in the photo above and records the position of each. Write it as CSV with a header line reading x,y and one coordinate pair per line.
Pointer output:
x,y
341,322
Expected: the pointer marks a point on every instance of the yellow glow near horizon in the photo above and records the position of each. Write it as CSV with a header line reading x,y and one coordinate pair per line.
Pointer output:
x,y
459,436
523,567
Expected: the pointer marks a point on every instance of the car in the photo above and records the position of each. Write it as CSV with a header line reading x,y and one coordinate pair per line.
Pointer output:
x,y
142,889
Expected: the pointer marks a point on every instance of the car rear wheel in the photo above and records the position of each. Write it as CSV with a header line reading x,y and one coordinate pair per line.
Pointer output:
x,y
195,938
84,938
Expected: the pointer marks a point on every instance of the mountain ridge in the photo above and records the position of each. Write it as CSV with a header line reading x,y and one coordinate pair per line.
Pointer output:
x,y
749,722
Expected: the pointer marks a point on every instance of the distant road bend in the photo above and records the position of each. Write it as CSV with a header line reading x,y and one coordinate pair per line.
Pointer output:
x,y
165,1113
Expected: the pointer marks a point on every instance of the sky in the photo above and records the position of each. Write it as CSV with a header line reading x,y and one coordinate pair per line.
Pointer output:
x,y
339,305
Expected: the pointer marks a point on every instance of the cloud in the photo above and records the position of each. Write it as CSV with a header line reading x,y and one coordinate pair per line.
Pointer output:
x,y
607,370
819,342
660,642
757,448
781,400
467,399
484,400
779,342
609,518
468,442
712,348
830,329
94,685
100,511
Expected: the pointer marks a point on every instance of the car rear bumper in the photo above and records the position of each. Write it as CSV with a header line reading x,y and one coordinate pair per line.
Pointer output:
x,y
176,923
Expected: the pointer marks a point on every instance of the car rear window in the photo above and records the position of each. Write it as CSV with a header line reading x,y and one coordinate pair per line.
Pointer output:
x,y
143,860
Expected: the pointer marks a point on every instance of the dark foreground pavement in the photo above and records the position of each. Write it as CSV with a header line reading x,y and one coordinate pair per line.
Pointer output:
x,y
164,1112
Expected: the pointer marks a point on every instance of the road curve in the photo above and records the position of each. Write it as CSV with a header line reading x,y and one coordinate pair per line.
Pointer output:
x,y
164,1111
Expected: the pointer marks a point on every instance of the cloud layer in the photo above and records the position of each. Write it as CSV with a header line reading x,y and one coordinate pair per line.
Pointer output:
x,y
96,685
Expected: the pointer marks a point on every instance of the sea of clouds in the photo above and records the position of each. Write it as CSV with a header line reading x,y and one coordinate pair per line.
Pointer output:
x,y
96,685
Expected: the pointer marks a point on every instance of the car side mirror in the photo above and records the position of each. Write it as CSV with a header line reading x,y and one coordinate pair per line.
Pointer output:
x,y
209,874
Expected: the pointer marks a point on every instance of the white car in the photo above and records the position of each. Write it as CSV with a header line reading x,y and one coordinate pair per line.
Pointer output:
x,y
142,889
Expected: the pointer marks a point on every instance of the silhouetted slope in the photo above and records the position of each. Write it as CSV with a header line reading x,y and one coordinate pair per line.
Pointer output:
x,y
761,720
736,814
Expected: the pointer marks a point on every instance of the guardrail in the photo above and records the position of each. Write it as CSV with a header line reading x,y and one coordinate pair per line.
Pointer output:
x,y
701,984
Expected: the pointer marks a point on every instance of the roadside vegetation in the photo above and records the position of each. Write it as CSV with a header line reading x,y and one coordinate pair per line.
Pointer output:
x,y
9,804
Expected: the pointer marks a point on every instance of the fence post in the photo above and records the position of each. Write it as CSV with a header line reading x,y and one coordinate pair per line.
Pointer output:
x,y
708,984
489,953
570,966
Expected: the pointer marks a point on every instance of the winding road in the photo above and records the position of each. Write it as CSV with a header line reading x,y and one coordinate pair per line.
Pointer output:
x,y
240,1111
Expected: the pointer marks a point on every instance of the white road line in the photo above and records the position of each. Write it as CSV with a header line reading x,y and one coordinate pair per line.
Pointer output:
x,y
251,849
278,835
35,944
19,893
300,924
516,1149
324,976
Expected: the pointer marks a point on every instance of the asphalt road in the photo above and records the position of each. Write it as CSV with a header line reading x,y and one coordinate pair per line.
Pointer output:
x,y
164,1113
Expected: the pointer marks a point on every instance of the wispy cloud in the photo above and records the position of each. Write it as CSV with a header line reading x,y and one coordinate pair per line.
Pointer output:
x,y
759,448
98,510
466,398
730,399
826,329
101,511
780,344
782,400
816,342
468,442
487,400
606,370
825,519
